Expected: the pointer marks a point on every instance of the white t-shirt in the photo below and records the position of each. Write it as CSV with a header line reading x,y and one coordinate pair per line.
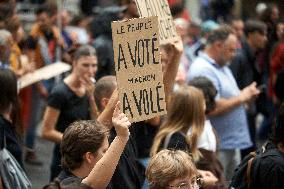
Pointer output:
x,y
207,139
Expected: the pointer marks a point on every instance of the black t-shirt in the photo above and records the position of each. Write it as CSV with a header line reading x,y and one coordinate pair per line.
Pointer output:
x,y
12,139
129,173
72,107
177,142
144,137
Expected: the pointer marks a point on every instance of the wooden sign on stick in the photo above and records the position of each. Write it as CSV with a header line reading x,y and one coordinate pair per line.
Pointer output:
x,y
161,9
138,68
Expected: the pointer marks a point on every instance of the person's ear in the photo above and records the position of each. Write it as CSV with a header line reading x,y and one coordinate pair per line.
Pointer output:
x,y
218,44
88,157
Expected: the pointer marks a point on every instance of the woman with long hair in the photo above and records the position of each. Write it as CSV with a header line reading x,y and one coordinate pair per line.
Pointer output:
x,y
70,100
10,129
186,111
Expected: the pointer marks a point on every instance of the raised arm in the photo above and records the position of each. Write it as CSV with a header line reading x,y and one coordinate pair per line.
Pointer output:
x,y
102,172
172,67
106,116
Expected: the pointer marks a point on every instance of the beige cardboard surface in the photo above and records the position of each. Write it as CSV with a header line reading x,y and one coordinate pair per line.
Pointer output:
x,y
44,73
161,9
138,68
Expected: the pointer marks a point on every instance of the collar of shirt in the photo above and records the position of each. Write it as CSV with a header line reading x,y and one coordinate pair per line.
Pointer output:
x,y
209,60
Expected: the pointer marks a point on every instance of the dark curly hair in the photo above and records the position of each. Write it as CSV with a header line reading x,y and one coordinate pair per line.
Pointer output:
x,y
81,137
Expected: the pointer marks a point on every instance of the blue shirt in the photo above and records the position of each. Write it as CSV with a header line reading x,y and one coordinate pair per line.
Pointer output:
x,y
231,127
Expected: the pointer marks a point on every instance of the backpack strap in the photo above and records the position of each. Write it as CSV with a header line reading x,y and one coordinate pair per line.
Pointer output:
x,y
249,168
167,140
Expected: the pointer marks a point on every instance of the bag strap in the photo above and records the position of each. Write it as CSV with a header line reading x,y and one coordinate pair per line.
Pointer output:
x,y
249,168
167,140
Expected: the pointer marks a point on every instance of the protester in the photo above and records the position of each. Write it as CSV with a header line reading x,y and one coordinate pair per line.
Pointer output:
x,y
228,118
17,63
244,67
270,172
10,130
70,100
172,169
129,172
231,103
172,133
265,168
87,157
207,142
42,50
147,130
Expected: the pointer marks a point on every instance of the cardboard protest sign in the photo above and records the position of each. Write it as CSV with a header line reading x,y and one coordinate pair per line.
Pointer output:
x,y
161,9
138,68
44,73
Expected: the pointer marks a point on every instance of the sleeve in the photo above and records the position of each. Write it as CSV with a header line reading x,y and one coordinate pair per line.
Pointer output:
x,y
57,98
178,142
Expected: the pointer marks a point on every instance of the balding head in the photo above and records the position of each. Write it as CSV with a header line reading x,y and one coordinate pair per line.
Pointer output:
x,y
103,91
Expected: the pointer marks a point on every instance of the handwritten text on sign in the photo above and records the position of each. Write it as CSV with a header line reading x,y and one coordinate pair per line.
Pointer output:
x,y
161,9
138,68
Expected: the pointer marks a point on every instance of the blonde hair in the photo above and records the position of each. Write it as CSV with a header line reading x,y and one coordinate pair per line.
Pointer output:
x,y
168,165
185,110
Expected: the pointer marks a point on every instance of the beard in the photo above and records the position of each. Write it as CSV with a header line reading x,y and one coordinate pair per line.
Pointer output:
x,y
222,62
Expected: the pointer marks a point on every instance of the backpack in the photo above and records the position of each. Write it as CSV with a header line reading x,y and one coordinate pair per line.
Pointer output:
x,y
11,173
247,170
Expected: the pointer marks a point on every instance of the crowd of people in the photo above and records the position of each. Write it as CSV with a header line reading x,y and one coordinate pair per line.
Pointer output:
x,y
218,78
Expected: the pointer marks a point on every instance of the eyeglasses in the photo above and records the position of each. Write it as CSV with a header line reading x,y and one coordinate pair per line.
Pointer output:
x,y
195,183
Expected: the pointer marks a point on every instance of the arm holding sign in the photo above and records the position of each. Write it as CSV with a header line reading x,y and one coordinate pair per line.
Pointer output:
x,y
172,67
106,116
170,71
103,170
